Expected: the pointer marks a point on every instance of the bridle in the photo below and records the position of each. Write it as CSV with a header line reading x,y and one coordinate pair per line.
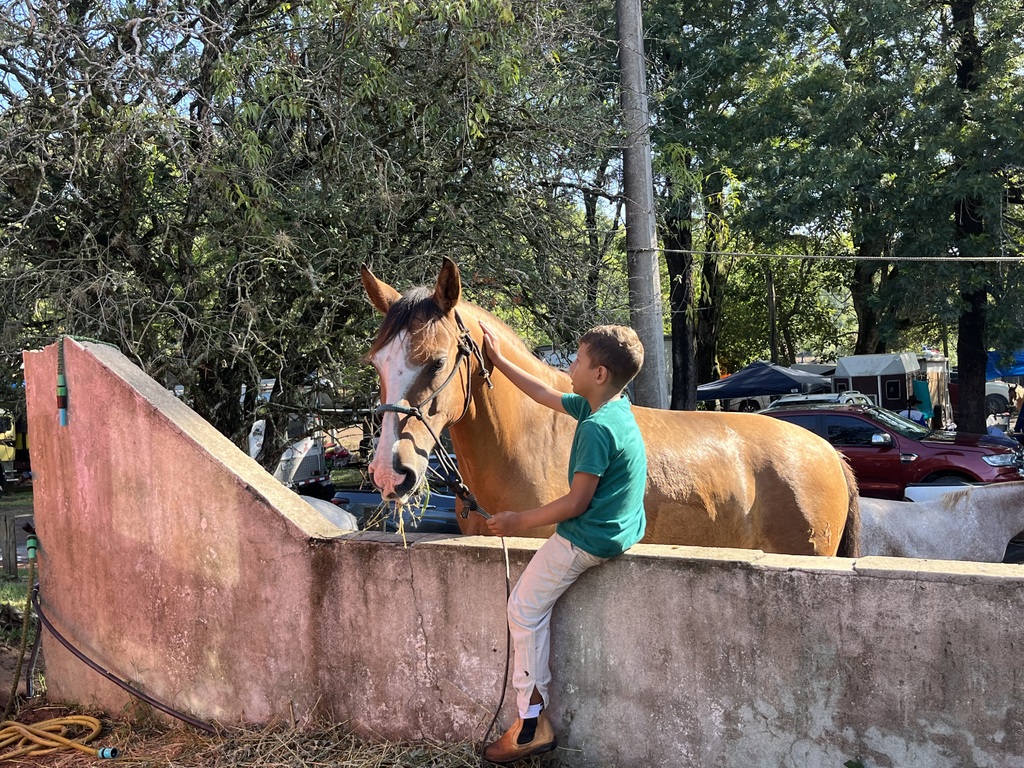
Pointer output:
x,y
468,349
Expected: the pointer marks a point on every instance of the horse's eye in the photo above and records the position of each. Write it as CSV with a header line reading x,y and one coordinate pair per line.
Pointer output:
x,y
438,365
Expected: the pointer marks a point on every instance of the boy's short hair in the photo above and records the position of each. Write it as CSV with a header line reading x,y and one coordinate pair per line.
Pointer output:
x,y
617,348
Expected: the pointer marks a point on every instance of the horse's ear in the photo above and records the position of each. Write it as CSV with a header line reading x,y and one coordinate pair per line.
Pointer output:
x,y
448,287
381,295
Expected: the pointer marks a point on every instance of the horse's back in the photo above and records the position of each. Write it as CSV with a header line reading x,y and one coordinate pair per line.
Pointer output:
x,y
742,480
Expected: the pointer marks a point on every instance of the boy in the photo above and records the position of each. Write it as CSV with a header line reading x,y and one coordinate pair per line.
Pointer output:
x,y
600,517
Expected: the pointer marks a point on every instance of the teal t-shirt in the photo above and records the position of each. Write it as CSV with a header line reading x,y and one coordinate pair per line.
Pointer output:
x,y
607,444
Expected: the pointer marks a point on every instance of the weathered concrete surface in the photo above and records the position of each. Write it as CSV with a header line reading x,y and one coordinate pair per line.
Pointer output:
x,y
170,556
180,565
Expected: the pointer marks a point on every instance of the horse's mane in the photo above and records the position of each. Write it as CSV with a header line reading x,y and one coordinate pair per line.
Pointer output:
x,y
417,310
990,493
416,307
513,345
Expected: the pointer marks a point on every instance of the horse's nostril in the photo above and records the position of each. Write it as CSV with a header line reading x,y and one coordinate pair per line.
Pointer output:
x,y
406,487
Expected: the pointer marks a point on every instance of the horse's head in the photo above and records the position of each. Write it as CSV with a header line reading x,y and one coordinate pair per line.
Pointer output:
x,y
423,357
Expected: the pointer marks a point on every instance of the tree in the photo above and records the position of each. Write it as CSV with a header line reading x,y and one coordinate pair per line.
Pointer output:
x,y
854,124
197,183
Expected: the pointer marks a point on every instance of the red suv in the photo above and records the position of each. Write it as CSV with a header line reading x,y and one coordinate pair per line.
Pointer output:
x,y
888,452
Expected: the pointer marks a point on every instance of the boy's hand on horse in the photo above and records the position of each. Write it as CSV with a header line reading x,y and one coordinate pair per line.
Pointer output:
x,y
534,388
491,343
573,504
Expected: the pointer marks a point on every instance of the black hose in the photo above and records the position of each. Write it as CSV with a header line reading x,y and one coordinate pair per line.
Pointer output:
x,y
30,671
113,678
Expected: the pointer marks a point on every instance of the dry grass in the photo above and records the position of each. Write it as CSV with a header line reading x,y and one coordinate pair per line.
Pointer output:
x,y
147,744
329,746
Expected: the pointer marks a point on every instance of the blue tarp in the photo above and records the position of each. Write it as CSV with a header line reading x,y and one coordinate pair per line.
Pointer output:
x,y
762,378
997,368
924,398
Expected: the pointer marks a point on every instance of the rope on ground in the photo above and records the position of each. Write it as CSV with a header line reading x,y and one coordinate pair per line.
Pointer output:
x,y
50,736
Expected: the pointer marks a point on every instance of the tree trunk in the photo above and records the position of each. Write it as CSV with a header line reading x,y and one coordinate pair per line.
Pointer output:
x,y
972,360
773,332
679,261
709,317
862,291
713,278
971,345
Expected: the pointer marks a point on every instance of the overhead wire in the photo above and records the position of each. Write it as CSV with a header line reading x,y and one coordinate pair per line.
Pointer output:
x,y
834,256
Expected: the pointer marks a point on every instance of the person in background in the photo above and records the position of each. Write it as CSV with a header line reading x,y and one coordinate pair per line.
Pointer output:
x,y
912,413
1018,403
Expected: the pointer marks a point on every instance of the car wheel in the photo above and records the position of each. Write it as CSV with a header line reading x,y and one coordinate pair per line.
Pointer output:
x,y
749,406
948,478
996,404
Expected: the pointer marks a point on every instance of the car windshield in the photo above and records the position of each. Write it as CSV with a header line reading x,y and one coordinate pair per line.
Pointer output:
x,y
899,424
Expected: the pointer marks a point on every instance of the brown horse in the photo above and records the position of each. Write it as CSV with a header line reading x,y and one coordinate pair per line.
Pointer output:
x,y
714,479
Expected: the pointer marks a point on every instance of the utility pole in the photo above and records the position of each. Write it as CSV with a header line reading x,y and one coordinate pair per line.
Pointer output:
x,y
651,387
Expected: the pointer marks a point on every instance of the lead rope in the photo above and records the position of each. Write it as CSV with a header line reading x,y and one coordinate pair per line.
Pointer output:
x,y
508,656
453,479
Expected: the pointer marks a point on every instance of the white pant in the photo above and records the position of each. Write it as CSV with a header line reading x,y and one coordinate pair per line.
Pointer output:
x,y
555,566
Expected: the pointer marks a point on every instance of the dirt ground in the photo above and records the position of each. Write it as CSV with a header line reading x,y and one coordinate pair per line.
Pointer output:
x,y
8,665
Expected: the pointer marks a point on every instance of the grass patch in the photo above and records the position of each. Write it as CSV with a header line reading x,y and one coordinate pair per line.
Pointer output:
x,y
14,591
17,500
13,602
348,477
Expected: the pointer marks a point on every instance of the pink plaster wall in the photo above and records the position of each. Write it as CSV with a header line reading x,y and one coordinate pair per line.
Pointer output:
x,y
166,554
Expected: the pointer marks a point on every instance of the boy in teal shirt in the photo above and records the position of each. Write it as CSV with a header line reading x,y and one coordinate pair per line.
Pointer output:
x,y
600,517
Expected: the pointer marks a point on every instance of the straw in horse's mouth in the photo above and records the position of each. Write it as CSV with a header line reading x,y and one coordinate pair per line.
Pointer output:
x,y
417,501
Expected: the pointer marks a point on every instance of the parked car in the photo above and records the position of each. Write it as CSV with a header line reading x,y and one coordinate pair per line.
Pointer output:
x,y
748,404
998,394
849,397
888,452
435,515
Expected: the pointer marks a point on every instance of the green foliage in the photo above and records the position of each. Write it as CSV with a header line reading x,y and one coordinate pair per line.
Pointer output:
x,y
14,596
198,184
867,126
810,309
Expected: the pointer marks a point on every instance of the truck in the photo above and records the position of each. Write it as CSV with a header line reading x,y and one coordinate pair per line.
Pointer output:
x,y
998,395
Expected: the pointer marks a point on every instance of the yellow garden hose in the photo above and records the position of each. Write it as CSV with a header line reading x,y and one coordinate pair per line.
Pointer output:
x,y
49,736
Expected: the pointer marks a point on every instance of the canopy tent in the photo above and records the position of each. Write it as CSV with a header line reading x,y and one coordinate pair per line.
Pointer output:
x,y
762,378
997,368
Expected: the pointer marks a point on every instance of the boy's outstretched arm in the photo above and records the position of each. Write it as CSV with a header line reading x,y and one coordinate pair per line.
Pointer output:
x,y
535,388
573,504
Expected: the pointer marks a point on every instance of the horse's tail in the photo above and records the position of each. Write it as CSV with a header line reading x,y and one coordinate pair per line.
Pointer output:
x,y
849,544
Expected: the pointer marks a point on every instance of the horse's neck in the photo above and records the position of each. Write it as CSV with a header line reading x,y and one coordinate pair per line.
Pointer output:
x,y
515,351
502,426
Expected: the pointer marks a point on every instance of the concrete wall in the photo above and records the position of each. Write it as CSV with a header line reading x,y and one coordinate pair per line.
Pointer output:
x,y
177,563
